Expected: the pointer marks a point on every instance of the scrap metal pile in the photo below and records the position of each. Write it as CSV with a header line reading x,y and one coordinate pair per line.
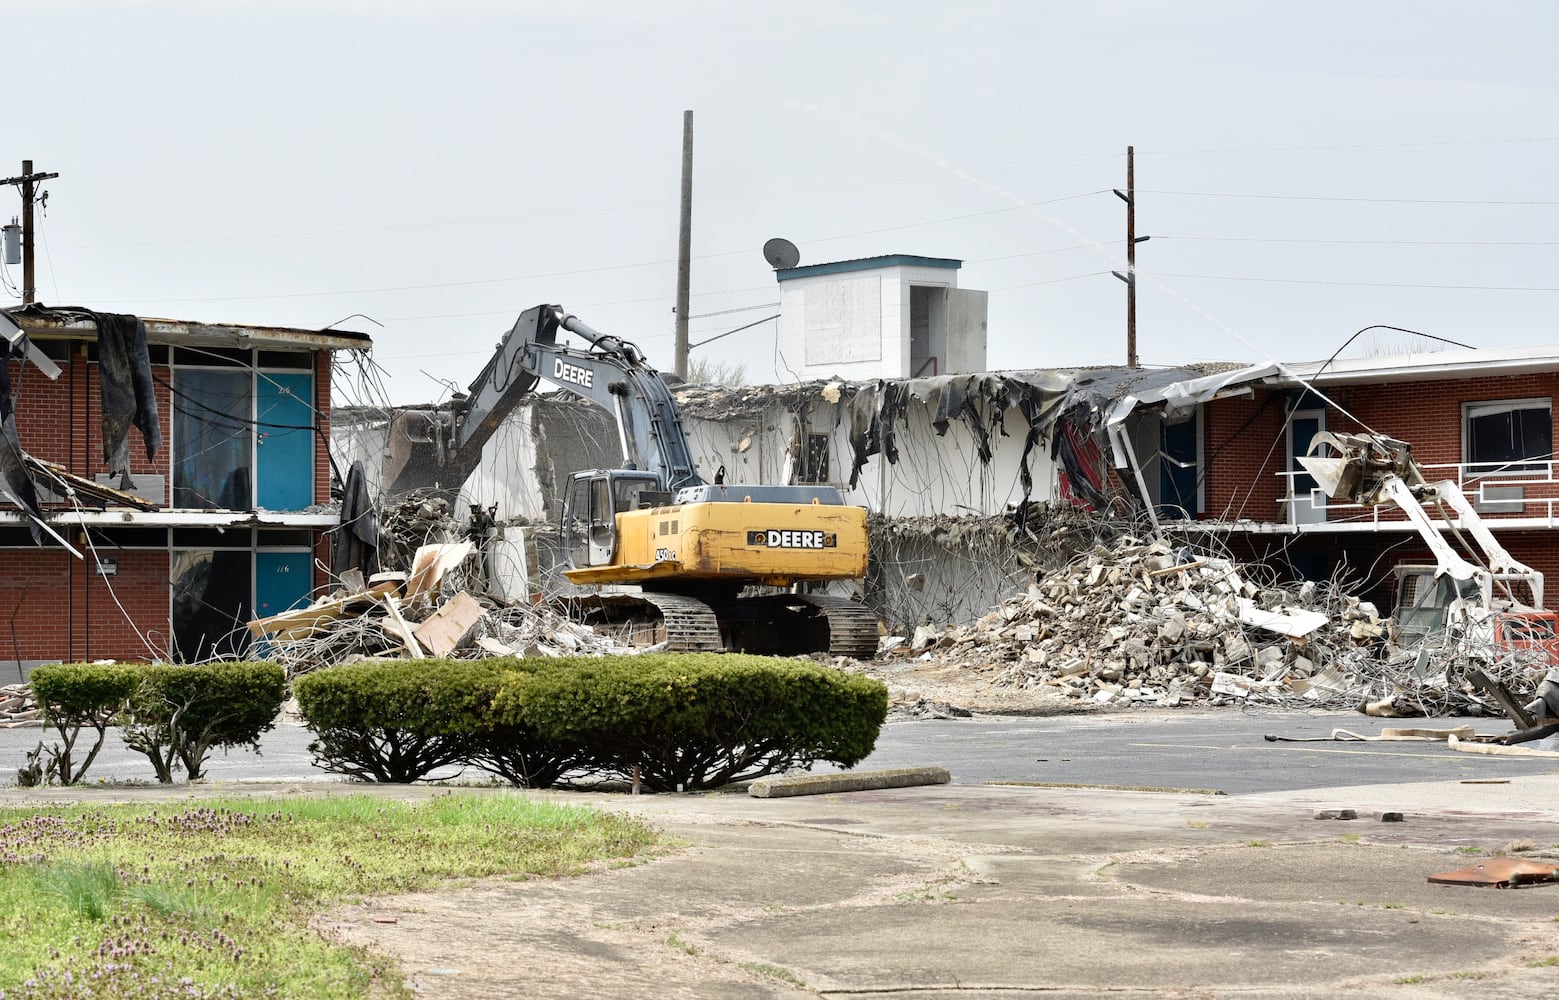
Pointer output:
x,y
1145,621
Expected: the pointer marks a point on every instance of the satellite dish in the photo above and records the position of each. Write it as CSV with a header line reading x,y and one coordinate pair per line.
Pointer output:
x,y
781,253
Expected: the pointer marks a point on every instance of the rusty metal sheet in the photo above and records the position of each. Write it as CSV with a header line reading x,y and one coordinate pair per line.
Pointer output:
x,y
1501,872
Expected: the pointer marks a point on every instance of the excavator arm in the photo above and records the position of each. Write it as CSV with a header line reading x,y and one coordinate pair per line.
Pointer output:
x,y
1376,470
610,372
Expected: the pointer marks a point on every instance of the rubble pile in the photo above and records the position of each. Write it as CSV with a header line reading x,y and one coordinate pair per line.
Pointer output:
x,y
1145,622
17,707
421,613
411,520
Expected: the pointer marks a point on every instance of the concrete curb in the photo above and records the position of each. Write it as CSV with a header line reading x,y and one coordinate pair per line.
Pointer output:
x,y
848,781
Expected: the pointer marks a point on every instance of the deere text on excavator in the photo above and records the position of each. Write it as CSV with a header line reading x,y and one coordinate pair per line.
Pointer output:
x,y
716,565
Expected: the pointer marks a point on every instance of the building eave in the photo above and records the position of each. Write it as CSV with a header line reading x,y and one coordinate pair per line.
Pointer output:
x,y
126,518
1440,366
865,264
74,324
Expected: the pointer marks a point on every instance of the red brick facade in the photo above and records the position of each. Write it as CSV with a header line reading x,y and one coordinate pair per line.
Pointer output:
x,y
56,607
1245,449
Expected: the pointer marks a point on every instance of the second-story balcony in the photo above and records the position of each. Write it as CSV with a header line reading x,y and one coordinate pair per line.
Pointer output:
x,y
1521,495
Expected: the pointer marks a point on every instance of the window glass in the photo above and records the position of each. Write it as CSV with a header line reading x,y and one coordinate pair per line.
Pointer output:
x,y
1513,437
211,603
576,523
602,523
211,440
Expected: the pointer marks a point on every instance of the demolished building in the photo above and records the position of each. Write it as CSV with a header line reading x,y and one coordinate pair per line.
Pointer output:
x,y
162,541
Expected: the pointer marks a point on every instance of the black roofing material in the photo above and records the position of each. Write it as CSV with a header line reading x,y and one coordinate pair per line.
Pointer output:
x,y
12,468
125,374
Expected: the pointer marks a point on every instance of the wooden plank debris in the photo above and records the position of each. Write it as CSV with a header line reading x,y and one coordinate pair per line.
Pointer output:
x,y
431,563
401,629
444,629
55,475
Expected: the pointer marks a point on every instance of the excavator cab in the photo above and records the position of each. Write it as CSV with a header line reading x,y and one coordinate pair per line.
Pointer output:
x,y
590,507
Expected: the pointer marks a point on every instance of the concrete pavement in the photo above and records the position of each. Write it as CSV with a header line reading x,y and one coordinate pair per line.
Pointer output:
x,y
994,891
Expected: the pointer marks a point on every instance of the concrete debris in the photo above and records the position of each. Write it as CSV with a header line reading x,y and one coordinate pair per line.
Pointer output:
x,y
17,707
1144,622
1141,622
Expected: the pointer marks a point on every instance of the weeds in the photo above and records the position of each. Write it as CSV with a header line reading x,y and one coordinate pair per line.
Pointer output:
x,y
87,888
214,900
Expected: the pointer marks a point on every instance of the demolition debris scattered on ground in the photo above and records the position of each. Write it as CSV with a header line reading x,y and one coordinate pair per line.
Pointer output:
x,y
1147,622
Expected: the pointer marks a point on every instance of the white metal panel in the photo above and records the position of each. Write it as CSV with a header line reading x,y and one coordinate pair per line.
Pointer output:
x,y
844,321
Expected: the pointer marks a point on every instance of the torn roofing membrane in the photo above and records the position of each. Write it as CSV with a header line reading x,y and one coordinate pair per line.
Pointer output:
x,y
1043,398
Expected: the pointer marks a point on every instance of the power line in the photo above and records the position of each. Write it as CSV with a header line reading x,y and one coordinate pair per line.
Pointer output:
x,y
1377,201
1359,284
592,270
1375,145
1039,253
1377,243
1052,281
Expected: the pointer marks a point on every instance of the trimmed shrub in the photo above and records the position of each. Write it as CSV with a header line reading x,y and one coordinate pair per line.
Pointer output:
x,y
76,696
177,714
395,721
502,743
697,721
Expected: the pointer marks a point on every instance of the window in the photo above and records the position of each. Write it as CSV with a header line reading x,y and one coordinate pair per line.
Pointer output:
x,y
211,602
211,434
242,438
1507,437
814,465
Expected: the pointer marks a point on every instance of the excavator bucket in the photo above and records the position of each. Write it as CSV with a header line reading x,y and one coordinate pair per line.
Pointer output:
x,y
1358,467
1338,478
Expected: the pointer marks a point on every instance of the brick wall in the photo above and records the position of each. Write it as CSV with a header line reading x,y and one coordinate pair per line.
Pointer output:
x,y
1246,445
52,606
62,421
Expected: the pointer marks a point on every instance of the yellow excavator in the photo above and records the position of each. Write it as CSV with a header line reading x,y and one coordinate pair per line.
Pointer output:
x,y
716,566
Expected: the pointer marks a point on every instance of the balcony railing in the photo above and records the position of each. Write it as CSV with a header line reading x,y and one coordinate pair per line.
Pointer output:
x,y
1526,490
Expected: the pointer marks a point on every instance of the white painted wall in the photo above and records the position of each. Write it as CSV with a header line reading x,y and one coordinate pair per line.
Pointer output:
x,y
827,327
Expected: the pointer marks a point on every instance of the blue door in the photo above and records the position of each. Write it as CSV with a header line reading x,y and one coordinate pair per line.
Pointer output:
x,y
282,581
1177,470
284,440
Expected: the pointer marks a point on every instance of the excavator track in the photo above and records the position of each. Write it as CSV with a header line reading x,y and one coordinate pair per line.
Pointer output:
x,y
691,625
773,624
852,627
684,624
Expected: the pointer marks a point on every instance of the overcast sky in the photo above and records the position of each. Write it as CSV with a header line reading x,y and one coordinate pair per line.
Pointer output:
x,y
1304,170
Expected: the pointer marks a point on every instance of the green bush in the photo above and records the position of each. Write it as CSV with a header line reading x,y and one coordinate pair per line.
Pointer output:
x,y
687,722
698,721
394,721
76,696
502,743
177,714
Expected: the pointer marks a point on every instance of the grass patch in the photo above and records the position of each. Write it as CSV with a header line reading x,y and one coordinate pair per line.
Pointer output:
x,y
773,972
213,899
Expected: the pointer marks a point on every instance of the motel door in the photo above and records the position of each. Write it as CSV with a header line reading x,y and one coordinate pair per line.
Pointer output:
x,y
1307,505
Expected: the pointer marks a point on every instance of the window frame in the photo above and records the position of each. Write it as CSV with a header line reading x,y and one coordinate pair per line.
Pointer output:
x,y
1534,468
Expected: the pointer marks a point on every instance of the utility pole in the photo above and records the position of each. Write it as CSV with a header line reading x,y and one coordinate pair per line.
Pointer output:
x,y
1129,196
28,182
684,245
